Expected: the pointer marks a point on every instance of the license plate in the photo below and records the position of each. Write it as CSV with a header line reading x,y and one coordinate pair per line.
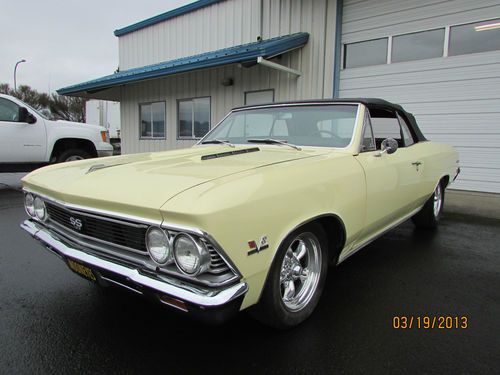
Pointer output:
x,y
81,270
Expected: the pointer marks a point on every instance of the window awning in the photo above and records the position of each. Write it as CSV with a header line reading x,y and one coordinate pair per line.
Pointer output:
x,y
238,54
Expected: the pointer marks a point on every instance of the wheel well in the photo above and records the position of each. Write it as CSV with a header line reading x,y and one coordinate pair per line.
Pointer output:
x,y
64,144
335,233
445,181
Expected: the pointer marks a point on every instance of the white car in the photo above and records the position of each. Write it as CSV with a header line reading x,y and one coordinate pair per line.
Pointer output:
x,y
29,140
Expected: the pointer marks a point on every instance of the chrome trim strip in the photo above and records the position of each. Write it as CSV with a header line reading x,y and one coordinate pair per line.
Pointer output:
x,y
122,285
194,295
355,249
84,210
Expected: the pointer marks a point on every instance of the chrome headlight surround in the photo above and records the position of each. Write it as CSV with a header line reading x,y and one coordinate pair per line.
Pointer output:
x,y
40,209
29,207
191,256
159,245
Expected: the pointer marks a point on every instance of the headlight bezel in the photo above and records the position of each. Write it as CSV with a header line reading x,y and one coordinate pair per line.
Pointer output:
x,y
31,205
204,258
43,208
168,257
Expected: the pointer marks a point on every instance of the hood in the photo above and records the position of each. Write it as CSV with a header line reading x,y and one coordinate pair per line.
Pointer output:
x,y
79,124
144,182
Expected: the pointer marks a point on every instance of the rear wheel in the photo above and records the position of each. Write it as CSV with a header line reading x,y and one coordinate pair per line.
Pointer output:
x,y
428,217
296,279
72,155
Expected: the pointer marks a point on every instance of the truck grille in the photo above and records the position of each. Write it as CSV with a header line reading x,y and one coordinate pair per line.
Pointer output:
x,y
117,232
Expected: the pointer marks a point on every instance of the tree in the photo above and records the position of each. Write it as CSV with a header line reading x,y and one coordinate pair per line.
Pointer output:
x,y
60,107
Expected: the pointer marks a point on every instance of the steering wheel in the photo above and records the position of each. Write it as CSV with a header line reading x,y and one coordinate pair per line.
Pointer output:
x,y
332,134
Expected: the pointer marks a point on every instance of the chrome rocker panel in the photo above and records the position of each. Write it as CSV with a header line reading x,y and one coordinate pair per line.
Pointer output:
x,y
200,297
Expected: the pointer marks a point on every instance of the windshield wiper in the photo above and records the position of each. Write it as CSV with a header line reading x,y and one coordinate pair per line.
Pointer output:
x,y
217,141
274,141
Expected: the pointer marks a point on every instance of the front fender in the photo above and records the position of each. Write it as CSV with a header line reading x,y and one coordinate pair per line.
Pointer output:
x,y
271,202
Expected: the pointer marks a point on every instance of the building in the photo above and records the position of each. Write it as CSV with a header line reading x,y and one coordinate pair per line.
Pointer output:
x,y
182,71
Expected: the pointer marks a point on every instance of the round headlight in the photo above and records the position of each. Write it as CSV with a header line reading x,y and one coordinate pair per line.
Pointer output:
x,y
40,210
158,245
191,256
29,204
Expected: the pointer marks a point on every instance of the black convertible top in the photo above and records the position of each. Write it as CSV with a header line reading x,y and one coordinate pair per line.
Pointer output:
x,y
369,102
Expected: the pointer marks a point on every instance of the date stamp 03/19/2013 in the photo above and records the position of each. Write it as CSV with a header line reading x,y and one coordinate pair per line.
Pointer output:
x,y
430,322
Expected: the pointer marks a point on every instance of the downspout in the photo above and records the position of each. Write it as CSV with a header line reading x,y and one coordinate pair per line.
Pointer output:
x,y
338,48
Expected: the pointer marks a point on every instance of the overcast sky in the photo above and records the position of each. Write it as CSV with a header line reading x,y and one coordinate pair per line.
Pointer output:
x,y
66,41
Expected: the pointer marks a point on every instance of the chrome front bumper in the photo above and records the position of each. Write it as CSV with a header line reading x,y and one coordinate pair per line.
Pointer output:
x,y
104,153
193,296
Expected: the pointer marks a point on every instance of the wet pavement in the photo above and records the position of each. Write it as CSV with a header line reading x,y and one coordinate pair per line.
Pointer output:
x,y
52,321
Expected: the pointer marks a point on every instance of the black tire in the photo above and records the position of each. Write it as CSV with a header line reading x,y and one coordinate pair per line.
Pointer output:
x,y
271,309
73,154
428,217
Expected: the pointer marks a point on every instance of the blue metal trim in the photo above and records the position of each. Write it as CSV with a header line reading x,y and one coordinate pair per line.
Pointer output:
x,y
338,45
243,53
165,16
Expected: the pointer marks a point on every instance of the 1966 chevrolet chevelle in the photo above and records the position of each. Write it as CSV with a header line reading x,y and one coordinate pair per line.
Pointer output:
x,y
252,215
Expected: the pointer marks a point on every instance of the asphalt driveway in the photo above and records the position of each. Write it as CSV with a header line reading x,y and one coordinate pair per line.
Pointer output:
x,y
52,321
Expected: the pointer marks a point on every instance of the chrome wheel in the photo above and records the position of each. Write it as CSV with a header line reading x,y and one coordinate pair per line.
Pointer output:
x,y
74,158
300,271
438,200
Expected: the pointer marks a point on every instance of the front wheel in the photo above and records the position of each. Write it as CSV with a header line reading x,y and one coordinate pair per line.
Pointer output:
x,y
73,155
428,217
296,279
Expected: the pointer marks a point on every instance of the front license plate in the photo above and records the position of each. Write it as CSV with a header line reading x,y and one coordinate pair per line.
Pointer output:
x,y
81,270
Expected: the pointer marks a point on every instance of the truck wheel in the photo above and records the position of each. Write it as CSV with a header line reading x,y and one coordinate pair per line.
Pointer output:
x,y
428,217
72,155
296,279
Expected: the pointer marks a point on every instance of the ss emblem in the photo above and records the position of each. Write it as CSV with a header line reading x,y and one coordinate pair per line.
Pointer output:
x,y
76,223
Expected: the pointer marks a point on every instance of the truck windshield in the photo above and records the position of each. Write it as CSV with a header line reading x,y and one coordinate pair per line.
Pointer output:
x,y
305,125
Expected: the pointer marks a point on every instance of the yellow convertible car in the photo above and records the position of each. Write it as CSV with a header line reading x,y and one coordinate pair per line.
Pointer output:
x,y
252,215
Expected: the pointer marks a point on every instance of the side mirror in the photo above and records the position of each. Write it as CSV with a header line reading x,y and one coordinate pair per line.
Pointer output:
x,y
389,145
25,116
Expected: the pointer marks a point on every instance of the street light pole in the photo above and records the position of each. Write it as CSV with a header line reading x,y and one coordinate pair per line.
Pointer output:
x,y
15,70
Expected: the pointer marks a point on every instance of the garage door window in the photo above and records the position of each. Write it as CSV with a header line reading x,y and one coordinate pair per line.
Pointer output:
x,y
416,46
371,52
152,118
475,37
193,118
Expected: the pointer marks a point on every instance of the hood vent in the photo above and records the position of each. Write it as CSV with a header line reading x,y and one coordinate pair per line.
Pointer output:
x,y
230,153
96,167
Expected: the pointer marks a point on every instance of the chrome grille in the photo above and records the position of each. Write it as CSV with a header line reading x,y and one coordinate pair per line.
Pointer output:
x,y
120,233
124,234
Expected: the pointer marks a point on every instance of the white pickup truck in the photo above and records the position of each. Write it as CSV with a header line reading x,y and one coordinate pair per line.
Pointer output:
x,y
29,140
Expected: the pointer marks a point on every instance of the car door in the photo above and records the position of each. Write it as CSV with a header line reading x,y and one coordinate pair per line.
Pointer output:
x,y
20,142
392,179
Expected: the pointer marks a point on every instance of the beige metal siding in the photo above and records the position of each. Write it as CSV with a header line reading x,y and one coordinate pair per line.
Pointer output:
x,y
456,100
226,24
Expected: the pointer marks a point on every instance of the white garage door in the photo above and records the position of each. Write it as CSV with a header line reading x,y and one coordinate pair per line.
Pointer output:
x,y
441,61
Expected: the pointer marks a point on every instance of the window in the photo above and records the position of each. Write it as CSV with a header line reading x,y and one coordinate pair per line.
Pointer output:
x,y
259,97
416,46
9,111
371,52
475,37
368,140
405,129
193,118
152,117
388,124
307,125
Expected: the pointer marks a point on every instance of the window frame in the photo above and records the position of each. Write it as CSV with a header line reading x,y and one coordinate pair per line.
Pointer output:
x,y
191,99
443,28
344,50
152,125
446,43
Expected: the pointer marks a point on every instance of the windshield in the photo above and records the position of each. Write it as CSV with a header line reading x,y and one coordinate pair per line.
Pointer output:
x,y
307,125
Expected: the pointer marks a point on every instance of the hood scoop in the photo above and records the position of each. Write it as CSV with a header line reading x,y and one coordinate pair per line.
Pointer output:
x,y
96,167
230,153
